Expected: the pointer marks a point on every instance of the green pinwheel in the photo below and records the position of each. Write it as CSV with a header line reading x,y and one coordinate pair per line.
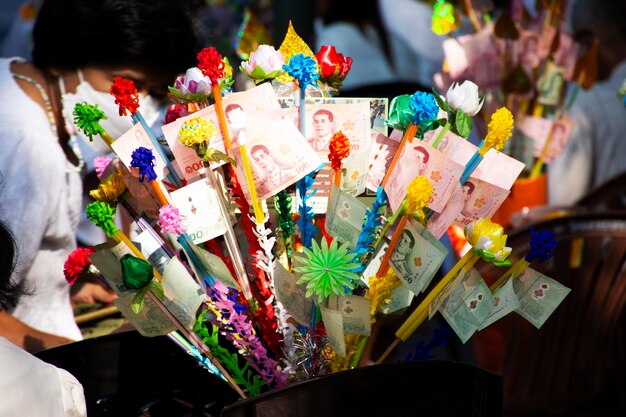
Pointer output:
x,y
326,269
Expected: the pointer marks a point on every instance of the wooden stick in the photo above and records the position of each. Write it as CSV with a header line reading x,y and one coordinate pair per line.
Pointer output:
x,y
421,312
95,315
409,134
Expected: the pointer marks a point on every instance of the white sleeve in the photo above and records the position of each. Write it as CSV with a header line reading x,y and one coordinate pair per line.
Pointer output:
x,y
28,182
569,174
73,395
410,21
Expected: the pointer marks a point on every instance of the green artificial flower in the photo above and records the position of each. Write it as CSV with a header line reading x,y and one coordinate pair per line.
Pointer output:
x,y
326,270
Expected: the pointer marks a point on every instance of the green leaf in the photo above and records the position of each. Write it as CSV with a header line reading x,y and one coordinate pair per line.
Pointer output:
x,y
214,155
186,98
441,122
157,289
463,124
442,104
138,300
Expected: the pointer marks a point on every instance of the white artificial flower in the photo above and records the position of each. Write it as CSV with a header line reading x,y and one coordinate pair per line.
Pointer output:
x,y
464,97
265,57
193,82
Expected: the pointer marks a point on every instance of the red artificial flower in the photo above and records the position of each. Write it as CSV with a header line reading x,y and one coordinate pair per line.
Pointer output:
x,y
332,63
211,64
174,112
76,263
339,149
126,95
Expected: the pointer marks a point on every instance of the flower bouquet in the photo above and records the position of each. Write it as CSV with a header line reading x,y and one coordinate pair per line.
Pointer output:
x,y
236,256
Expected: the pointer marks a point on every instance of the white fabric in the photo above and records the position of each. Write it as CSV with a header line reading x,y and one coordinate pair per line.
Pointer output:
x,y
596,151
369,65
31,387
417,51
40,199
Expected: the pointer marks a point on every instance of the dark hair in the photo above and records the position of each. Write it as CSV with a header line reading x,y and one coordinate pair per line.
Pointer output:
x,y
259,148
424,152
10,292
406,232
360,13
602,18
328,113
469,185
154,34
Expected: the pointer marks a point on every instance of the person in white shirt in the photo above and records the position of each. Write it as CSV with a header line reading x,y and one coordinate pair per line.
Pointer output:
x,y
41,168
596,150
30,387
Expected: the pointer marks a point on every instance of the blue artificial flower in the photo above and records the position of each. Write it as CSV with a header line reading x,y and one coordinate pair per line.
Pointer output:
x,y
143,159
425,107
304,69
542,245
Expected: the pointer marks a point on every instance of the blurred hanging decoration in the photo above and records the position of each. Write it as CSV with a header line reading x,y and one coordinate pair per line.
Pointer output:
x,y
252,33
445,18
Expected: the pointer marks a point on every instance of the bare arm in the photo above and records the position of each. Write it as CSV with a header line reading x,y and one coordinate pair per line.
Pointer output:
x,y
27,337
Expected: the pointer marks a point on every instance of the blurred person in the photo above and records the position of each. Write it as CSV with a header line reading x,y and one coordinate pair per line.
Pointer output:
x,y
79,47
30,387
417,51
355,28
596,148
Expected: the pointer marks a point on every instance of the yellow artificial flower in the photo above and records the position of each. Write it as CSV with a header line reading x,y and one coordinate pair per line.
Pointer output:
x,y
419,191
110,189
486,235
379,292
499,131
195,131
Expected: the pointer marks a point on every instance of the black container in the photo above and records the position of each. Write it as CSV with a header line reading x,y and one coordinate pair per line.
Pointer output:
x,y
426,388
125,374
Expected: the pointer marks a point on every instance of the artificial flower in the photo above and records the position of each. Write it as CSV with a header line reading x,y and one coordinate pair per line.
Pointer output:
x,y
211,63
542,245
170,220
196,131
265,63
303,69
143,159
424,106
100,164
193,82
339,148
101,214
136,272
419,191
174,112
464,97
126,95
499,130
87,119
109,189
485,236
333,66
326,270
76,262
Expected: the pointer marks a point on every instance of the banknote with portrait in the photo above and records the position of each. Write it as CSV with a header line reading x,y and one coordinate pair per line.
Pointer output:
x,y
278,154
419,158
261,98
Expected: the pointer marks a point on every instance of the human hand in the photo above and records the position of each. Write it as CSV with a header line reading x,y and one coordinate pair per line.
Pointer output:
x,y
91,293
